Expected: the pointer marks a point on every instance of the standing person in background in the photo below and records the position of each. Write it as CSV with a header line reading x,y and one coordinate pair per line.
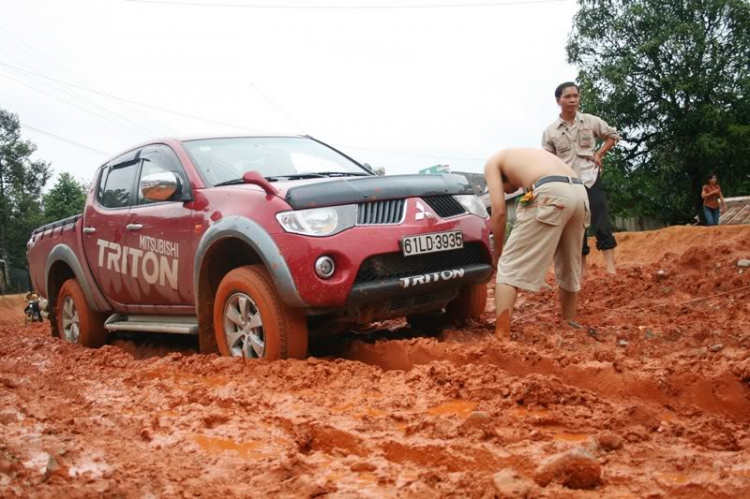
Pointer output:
x,y
713,199
572,138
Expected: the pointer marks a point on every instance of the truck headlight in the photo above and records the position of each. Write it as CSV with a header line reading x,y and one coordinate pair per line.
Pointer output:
x,y
318,222
473,205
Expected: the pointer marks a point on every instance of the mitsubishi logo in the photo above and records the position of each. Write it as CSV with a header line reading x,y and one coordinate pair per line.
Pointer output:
x,y
421,213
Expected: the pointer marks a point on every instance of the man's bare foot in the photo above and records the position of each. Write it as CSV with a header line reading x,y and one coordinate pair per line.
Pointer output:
x,y
609,259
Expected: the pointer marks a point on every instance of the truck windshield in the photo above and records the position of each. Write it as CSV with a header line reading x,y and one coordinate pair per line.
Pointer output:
x,y
226,159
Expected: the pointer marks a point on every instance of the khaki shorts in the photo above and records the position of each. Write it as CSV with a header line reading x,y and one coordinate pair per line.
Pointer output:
x,y
550,228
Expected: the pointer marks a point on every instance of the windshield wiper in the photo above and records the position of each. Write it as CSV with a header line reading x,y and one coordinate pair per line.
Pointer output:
x,y
296,176
241,181
344,174
293,176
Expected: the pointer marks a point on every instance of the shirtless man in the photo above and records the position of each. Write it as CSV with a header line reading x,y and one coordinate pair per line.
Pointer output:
x,y
550,222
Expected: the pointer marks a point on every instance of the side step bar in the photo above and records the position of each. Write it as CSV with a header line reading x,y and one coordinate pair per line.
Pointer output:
x,y
152,324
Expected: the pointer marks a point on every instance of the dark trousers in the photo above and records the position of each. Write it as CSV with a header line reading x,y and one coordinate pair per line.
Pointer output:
x,y
600,223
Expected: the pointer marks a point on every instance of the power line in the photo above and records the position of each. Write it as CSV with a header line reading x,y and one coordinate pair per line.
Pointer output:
x,y
73,142
73,105
78,98
346,7
59,68
177,113
417,155
278,108
397,153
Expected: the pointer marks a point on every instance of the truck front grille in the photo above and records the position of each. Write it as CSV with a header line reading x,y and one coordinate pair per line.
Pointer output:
x,y
445,206
396,266
381,212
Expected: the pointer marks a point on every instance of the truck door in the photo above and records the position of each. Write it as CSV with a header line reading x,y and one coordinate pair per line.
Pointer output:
x,y
161,233
104,225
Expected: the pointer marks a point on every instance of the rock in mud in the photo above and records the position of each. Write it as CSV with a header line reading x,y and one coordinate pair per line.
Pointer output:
x,y
609,441
363,466
509,484
622,343
52,466
478,419
743,263
717,348
575,469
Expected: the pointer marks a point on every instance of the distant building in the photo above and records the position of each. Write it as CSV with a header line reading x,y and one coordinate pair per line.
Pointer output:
x,y
433,170
738,211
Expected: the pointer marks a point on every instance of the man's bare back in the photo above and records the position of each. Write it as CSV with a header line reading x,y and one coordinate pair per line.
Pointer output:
x,y
510,169
523,167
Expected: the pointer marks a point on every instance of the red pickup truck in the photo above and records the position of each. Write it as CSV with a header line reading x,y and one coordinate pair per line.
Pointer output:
x,y
255,243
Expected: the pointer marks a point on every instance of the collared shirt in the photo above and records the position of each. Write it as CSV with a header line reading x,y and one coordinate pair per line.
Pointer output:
x,y
576,144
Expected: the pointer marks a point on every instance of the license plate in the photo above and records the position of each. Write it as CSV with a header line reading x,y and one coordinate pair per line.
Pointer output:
x,y
431,243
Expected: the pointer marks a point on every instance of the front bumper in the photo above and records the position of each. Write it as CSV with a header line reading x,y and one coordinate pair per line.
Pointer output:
x,y
387,298
370,266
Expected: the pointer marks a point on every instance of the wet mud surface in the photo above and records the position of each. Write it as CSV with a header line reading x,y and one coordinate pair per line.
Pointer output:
x,y
648,395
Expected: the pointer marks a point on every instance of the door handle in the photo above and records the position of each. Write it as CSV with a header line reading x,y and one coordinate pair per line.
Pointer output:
x,y
89,230
134,226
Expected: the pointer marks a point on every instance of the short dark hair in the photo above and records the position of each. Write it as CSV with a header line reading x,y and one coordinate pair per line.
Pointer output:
x,y
562,86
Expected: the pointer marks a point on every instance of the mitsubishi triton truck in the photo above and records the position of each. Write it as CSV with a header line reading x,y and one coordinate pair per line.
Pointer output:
x,y
256,243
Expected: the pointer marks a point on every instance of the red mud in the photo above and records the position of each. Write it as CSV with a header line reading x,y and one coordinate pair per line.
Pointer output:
x,y
655,384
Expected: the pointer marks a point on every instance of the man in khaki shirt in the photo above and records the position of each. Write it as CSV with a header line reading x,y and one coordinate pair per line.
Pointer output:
x,y
572,138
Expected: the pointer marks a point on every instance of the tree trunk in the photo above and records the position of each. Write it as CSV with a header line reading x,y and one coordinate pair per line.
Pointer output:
x,y
696,182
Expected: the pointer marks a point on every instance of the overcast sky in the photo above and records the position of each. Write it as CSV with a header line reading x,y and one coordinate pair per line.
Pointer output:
x,y
401,88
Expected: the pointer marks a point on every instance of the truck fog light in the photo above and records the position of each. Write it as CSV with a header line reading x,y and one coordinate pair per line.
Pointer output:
x,y
325,267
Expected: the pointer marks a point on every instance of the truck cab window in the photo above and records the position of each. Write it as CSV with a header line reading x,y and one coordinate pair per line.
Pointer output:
x,y
117,184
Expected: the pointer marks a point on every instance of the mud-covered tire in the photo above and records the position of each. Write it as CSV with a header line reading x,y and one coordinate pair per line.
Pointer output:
x,y
76,321
248,311
470,303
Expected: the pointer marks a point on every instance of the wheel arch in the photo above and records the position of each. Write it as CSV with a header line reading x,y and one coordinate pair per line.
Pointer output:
x,y
62,264
231,243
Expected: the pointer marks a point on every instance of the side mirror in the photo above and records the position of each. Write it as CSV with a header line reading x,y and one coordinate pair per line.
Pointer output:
x,y
160,186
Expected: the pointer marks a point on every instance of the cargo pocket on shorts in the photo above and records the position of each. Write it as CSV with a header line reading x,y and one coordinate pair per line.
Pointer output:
x,y
587,218
550,209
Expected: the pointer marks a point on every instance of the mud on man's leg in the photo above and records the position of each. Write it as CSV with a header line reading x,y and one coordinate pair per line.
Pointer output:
x,y
505,301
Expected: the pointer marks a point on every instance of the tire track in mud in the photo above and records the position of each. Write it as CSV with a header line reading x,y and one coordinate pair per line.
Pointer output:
x,y
721,392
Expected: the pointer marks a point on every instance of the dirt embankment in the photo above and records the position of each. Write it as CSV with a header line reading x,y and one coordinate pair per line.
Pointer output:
x,y
651,393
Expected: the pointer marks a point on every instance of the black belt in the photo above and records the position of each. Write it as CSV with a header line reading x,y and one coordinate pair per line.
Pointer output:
x,y
557,178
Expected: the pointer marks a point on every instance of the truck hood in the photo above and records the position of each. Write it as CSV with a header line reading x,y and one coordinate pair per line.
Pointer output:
x,y
330,192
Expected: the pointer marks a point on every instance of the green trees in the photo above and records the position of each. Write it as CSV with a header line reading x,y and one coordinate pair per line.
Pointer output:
x,y
23,206
674,77
21,182
65,199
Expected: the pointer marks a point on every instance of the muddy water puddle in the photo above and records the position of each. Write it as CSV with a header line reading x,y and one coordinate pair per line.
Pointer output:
x,y
571,437
461,408
251,449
